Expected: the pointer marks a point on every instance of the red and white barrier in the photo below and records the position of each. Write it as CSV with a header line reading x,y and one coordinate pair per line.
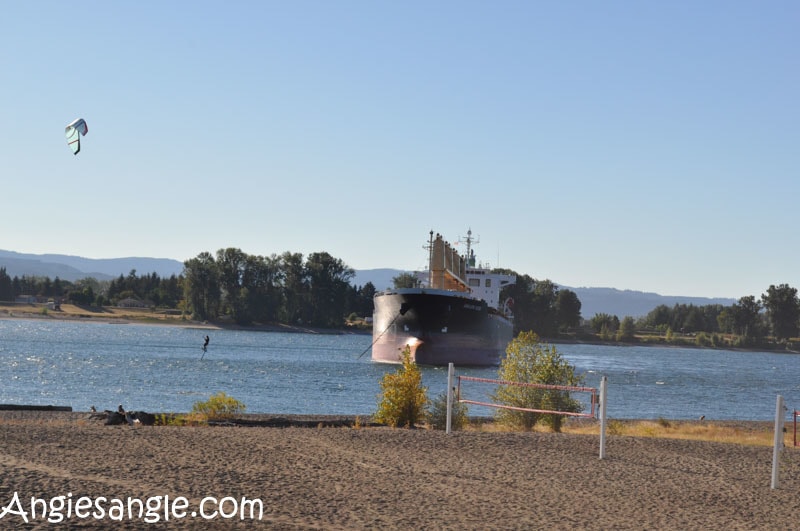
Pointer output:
x,y
592,390
597,409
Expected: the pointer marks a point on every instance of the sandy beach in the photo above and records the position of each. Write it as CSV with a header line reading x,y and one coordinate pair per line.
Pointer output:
x,y
382,478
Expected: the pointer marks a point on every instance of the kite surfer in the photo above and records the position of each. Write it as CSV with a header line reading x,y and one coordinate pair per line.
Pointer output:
x,y
205,346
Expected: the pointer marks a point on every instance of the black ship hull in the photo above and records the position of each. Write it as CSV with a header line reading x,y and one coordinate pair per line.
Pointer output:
x,y
438,327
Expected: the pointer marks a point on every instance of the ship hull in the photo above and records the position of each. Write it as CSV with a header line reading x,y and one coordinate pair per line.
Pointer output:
x,y
438,327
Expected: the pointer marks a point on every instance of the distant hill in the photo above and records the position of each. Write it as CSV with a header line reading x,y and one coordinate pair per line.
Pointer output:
x,y
380,278
593,300
74,268
624,303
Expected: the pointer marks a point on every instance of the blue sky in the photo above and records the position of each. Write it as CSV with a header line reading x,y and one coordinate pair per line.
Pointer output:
x,y
638,145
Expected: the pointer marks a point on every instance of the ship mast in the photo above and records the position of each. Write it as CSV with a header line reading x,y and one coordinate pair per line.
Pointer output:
x,y
429,247
469,240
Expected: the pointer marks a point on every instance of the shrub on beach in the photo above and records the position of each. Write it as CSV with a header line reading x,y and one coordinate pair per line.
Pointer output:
x,y
218,407
403,399
180,419
437,414
529,361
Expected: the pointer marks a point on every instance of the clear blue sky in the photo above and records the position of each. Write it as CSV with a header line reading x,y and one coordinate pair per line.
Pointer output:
x,y
638,145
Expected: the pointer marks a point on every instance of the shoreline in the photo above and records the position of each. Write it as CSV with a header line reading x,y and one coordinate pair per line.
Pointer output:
x,y
38,413
147,318
127,318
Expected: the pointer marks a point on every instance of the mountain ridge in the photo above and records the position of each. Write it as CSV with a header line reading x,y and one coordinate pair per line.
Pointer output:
x,y
612,301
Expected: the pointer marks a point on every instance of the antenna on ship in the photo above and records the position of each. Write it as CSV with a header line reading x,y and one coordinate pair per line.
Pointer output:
x,y
429,247
469,240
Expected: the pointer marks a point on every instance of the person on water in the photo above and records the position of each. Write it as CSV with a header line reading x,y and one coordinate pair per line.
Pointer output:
x,y
205,343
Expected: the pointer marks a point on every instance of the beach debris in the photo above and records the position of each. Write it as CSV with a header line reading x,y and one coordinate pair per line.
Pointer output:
x,y
132,418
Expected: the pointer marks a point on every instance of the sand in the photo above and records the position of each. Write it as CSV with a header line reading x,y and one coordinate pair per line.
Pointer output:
x,y
382,478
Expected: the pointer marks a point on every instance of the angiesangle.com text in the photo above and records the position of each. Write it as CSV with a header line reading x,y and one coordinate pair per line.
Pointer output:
x,y
152,509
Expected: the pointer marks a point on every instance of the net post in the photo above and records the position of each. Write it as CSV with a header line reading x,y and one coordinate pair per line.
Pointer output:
x,y
450,371
778,442
602,413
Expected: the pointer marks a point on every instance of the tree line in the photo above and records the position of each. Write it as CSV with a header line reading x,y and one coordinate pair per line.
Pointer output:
x,y
159,292
287,288
315,290
749,322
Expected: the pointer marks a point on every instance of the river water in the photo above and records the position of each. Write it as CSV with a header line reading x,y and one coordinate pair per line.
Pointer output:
x,y
164,369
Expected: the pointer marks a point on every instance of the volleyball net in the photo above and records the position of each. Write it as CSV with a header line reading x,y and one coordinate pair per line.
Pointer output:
x,y
592,391
597,400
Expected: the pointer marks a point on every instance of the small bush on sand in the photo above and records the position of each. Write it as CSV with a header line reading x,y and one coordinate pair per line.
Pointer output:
x,y
190,419
403,399
437,414
219,407
614,427
530,361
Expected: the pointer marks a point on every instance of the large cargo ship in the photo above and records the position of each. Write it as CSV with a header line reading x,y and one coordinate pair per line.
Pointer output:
x,y
454,316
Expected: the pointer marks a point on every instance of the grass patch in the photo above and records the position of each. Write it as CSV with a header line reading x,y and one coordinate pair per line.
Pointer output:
x,y
750,434
189,419
111,313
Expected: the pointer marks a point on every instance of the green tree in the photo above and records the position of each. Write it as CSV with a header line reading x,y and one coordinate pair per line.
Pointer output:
x,y
659,317
783,311
604,321
169,292
203,292
405,280
544,298
627,329
85,297
294,288
743,319
534,304
261,280
403,398
360,300
437,413
6,293
568,309
230,272
527,360
329,283
694,319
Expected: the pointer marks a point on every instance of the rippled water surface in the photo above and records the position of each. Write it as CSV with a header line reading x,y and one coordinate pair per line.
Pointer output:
x,y
159,368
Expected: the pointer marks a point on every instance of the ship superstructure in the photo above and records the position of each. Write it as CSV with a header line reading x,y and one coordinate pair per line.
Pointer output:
x,y
455,315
